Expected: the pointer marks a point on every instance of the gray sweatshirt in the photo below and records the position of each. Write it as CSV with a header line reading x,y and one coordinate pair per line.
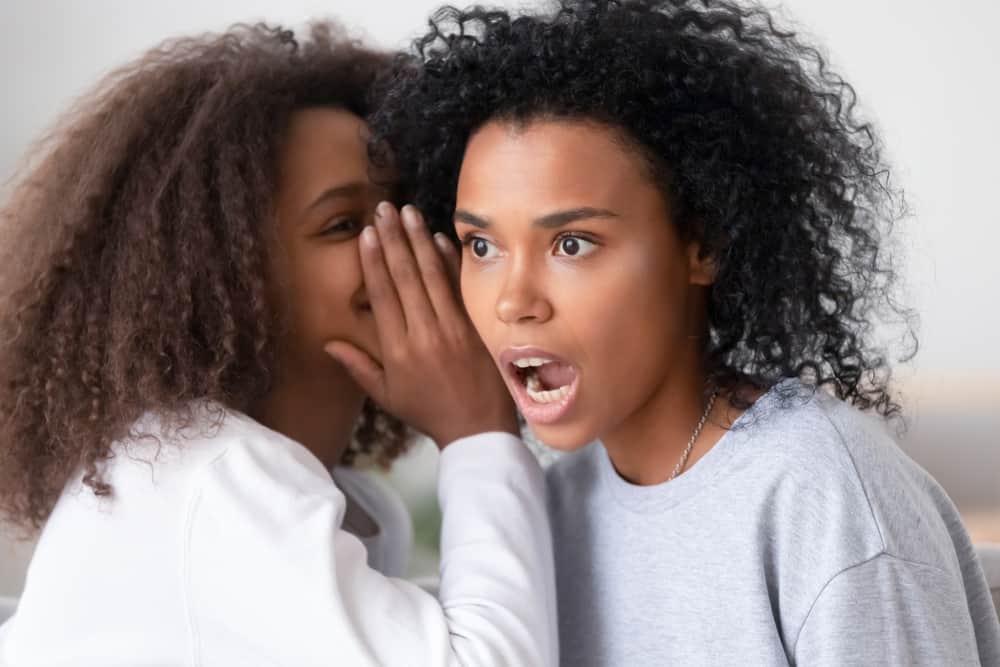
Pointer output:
x,y
805,536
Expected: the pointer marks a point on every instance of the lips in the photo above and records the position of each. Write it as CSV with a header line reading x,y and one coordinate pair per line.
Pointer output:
x,y
543,384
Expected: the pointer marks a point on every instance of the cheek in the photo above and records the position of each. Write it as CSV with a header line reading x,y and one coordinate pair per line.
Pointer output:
x,y
627,318
633,298
326,280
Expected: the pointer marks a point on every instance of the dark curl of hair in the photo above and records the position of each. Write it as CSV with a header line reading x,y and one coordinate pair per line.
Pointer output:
x,y
136,252
749,135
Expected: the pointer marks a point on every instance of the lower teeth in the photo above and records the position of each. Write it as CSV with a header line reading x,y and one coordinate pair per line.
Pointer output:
x,y
539,395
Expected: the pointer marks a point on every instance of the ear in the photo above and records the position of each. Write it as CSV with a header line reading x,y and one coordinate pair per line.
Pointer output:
x,y
702,267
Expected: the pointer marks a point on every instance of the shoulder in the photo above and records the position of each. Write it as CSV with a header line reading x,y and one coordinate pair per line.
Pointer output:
x,y
262,499
207,436
214,455
812,437
282,473
831,467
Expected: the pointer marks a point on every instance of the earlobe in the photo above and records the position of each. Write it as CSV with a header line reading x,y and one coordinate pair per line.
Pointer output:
x,y
702,266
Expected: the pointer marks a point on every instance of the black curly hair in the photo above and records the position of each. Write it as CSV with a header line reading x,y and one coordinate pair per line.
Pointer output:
x,y
756,144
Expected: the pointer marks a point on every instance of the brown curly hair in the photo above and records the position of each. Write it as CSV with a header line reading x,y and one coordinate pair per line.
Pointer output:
x,y
136,252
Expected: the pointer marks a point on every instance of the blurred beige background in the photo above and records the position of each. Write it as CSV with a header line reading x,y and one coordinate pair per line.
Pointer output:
x,y
925,72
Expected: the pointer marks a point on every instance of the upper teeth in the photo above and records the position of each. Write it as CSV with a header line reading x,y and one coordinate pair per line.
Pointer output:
x,y
531,362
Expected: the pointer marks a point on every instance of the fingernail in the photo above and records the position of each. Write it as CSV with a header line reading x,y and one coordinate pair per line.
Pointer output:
x,y
443,242
384,210
369,237
410,217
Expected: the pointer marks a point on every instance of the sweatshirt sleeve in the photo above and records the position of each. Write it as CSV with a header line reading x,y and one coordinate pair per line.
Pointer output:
x,y
889,611
272,579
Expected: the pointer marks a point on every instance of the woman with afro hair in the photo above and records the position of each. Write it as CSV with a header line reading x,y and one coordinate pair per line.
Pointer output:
x,y
181,274
676,239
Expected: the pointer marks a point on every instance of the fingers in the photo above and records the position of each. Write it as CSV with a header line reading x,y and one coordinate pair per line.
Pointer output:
x,y
433,270
403,268
452,260
386,307
365,370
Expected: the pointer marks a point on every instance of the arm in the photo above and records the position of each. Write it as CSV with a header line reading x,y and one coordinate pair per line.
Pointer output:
x,y
273,579
497,585
889,611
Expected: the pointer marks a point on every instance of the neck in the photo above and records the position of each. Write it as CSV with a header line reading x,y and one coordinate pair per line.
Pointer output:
x,y
647,446
317,410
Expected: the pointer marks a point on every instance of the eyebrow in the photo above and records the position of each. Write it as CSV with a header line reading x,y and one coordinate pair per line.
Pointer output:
x,y
550,221
348,190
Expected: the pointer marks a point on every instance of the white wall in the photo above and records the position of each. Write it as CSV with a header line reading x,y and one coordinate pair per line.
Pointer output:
x,y
926,71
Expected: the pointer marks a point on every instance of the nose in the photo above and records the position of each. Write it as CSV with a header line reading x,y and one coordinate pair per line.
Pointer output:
x,y
521,301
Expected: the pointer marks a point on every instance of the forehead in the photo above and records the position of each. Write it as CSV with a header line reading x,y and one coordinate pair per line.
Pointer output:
x,y
323,142
563,162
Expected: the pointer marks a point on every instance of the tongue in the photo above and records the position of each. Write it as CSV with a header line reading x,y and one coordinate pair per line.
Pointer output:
x,y
555,374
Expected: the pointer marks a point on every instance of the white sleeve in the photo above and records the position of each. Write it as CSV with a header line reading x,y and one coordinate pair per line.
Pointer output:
x,y
272,579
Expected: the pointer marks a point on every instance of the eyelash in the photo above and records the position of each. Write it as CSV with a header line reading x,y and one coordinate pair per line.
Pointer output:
x,y
468,239
574,235
335,226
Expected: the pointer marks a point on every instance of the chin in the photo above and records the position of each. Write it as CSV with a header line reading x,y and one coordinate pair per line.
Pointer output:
x,y
565,438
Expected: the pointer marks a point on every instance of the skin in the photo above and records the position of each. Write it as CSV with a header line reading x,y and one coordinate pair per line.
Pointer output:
x,y
324,198
380,318
427,338
624,301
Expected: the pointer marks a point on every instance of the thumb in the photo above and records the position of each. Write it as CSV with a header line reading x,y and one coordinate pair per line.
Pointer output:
x,y
365,370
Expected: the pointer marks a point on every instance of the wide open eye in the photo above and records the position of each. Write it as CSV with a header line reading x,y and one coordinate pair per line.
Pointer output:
x,y
574,246
481,248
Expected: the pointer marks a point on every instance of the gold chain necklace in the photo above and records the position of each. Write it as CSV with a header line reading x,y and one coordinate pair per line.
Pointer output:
x,y
694,436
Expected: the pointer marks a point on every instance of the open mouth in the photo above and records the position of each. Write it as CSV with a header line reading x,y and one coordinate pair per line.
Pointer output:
x,y
545,380
543,385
